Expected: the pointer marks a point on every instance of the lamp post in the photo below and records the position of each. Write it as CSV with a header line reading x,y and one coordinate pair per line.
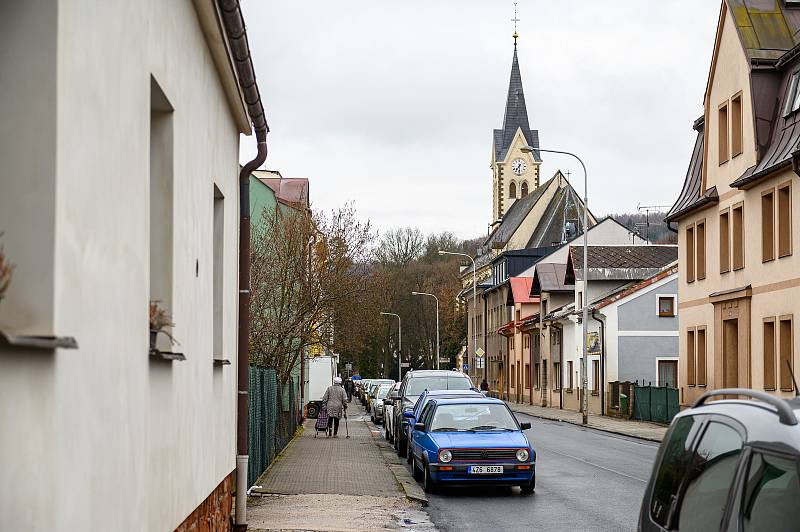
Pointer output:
x,y
474,295
437,321
399,344
585,302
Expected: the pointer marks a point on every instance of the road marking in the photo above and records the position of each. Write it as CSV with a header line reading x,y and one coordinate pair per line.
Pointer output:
x,y
592,463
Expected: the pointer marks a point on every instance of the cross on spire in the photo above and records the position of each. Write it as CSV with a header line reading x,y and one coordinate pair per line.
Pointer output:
x,y
515,20
568,174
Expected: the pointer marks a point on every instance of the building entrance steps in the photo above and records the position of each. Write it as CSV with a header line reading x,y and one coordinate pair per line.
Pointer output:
x,y
634,429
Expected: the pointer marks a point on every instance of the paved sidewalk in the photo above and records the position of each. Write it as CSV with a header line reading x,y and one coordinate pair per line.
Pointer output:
x,y
635,429
333,484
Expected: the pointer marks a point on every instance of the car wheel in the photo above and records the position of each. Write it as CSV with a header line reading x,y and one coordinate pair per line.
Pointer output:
x,y
372,418
427,482
415,471
530,487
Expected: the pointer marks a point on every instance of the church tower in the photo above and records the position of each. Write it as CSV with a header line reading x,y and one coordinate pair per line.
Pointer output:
x,y
515,173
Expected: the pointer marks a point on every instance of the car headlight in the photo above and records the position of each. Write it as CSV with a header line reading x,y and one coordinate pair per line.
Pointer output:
x,y
445,456
522,455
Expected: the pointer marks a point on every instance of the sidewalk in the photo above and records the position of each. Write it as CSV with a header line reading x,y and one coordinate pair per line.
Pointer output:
x,y
333,484
635,429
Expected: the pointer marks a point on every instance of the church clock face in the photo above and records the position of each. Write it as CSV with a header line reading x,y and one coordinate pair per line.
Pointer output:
x,y
518,166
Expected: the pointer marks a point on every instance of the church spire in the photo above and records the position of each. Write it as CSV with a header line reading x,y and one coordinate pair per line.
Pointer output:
x,y
516,114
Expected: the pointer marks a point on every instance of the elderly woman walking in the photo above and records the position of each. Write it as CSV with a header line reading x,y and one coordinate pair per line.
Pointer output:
x,y
335,401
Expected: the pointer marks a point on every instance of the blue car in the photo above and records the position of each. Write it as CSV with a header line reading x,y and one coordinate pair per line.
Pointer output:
x,y
408,425
471,441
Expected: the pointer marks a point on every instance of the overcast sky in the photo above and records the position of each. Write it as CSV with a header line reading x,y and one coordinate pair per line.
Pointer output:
x,y
392,104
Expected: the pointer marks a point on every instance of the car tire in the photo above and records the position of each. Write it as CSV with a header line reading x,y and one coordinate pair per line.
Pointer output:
x,y
428,483
408,451
372,418
415,471
529,488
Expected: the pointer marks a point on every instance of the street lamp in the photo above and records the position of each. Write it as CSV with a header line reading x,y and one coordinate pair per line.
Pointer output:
x,y
399,344
437,321
585,381
474,294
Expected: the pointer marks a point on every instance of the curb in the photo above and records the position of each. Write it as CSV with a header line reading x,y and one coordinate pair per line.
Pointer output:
x,y
408,485
593,427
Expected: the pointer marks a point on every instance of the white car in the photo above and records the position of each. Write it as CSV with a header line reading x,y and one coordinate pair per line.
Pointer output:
x,y
388,411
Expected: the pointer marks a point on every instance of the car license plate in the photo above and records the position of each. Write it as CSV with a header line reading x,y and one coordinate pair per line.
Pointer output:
x,y
486,469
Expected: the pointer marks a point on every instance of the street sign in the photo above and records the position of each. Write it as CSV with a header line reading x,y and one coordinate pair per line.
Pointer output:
x,y
480,352
405,365
349,366
479,362
466,367
444,360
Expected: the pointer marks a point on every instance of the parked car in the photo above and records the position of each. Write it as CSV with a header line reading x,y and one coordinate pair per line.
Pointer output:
x,y
376,403
728,465
362,393
471,441
414,383
373,387
388,418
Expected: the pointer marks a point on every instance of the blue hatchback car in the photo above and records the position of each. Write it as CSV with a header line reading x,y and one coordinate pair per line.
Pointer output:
x,y
471,441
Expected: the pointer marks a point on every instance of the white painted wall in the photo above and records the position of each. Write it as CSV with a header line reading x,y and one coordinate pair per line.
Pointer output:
x,y
103,438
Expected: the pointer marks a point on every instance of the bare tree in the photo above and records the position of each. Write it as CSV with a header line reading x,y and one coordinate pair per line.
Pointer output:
x,y
400,246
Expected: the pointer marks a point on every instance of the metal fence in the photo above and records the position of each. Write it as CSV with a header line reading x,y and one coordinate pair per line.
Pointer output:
x,y
655,403
274,416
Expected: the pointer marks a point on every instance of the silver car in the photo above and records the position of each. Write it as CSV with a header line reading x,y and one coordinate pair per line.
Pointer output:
x,y
376,403
388,411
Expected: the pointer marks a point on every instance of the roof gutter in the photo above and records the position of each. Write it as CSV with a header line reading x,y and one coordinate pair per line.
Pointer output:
x,y
233,21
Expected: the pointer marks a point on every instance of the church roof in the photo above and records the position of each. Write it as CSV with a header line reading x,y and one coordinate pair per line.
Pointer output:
x,y
516,117
515,216
565,207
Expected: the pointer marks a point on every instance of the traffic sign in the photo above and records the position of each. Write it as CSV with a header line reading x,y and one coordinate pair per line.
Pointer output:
x,y
479,362
446,360
480,352
466,367
405,365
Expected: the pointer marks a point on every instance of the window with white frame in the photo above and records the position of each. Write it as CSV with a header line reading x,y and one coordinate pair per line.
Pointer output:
x,y
792,102
665,305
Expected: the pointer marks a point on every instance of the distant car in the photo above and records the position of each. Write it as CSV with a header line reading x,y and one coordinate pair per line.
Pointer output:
x,y
423,400
471,441
373,387
376,403
728,465
414,383
388,417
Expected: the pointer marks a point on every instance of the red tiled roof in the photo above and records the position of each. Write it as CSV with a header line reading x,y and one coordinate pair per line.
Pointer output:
x,y
521,289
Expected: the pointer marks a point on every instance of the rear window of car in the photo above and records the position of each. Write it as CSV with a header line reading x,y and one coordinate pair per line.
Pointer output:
x,y
417,385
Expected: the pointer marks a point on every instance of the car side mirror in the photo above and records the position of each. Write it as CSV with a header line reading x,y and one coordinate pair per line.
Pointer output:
x,y
408,413
419,426
387,402
524,426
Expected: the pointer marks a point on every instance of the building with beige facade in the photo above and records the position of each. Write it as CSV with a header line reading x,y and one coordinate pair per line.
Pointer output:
x,y
739,288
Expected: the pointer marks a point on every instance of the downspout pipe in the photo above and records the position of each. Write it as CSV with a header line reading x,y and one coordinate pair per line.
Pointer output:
x,y
602,362
233,21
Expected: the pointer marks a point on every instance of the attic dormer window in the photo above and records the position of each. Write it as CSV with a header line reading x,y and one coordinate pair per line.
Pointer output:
x,y
792,94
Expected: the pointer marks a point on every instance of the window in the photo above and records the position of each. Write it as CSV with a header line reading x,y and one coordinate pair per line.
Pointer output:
x,y
219,253
536,375
768,225
785,220
690,358
569,371
722,124
690,254
714,464
736,125
666,306
738,236
724,242
595,376
556,376
769,353
512,190
700,255
785,352
161,201
674,465
524,189
701,356
527,377
792,101
668,373
580,300
771,494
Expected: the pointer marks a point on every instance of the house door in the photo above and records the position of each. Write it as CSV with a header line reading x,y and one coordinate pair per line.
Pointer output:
x,y
730,353
668,373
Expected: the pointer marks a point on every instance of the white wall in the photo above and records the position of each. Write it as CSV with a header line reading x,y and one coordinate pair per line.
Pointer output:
x,y
104,438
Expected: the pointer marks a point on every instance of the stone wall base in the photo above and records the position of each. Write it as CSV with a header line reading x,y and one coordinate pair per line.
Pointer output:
x,y
214,513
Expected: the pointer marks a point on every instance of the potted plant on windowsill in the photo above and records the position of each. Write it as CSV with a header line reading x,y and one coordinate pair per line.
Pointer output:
x,y
6,269
160,320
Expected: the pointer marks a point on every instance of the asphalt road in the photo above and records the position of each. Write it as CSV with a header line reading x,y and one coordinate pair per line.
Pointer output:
x,y
585,480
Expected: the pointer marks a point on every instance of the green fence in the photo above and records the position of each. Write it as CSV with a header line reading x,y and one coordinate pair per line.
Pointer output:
x,y
655,403
274,415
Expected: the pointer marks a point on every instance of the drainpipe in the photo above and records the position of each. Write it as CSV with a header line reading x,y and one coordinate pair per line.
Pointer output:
x,y
602,362
669,226
233,22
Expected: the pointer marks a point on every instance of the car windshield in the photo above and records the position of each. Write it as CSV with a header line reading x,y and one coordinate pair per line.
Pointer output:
x,y
383,391
465,417
418,385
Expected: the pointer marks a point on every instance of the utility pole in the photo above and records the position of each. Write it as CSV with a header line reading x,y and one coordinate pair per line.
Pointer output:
x,y
437,321
399,344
